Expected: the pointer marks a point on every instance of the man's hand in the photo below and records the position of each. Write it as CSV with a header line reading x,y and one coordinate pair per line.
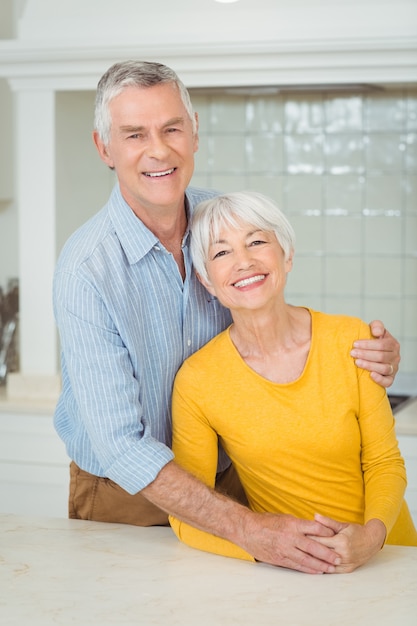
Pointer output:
x,y
380,356
287,541
354,543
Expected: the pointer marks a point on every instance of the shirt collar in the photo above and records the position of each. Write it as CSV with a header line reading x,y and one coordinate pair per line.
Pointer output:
x,y
135,238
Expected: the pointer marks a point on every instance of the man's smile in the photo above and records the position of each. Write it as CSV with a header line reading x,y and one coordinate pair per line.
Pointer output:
x,y
159,174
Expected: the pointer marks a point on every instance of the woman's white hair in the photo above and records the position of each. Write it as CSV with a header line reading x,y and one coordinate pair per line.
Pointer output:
x,y
230,210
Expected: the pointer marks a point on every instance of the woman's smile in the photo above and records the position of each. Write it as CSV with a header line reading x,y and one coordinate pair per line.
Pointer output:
x,y
247,282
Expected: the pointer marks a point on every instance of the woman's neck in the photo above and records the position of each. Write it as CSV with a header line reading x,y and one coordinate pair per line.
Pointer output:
x,y
275,345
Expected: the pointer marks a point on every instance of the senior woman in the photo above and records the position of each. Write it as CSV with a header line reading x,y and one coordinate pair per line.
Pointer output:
x,y
309,433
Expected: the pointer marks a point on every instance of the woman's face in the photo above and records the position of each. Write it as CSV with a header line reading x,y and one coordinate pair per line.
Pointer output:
x,y
246,267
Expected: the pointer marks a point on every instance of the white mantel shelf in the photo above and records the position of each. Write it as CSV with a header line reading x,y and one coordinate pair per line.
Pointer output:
x,y
78,65
58,571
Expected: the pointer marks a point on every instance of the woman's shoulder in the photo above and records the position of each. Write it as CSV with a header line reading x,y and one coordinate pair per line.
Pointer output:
x,y
344,325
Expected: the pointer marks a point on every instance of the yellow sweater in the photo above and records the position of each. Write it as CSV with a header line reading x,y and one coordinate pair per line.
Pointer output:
x,y
324,443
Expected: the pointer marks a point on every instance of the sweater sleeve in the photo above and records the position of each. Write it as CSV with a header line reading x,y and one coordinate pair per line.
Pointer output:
x,y
382,464
195,446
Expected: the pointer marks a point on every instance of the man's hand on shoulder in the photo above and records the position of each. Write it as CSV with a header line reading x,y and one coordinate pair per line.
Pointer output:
x,y
380,356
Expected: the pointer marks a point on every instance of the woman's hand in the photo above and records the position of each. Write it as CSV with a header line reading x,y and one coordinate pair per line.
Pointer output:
x,y
380,356
355,544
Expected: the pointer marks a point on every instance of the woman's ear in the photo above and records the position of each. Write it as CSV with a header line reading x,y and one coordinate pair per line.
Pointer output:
x,y
289,262
206,284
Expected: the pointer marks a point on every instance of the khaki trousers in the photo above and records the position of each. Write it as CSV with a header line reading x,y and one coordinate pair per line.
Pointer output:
x,y
102,500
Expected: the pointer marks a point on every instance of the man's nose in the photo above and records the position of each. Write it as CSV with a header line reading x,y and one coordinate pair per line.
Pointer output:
x,y
157,147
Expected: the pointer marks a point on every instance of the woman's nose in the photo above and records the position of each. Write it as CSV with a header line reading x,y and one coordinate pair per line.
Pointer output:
x,y
244,258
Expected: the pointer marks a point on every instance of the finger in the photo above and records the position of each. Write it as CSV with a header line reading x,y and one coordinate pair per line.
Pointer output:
x,y
316,547
388,349
328,542
314,529
377,328
385,369
333,524
381,373
305,562
375,345
384,381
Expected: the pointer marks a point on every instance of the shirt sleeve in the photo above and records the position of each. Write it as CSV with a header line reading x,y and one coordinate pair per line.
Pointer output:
x,y
195,445
105,389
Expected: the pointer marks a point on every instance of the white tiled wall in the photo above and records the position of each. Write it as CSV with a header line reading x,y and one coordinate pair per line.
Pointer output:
x,y
344,169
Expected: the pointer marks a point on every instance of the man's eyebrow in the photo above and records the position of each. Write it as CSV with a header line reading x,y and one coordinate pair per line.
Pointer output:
x,y
131,129
128,128
174,121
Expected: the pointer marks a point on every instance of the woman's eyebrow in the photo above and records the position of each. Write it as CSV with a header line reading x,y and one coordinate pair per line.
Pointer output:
x,y
248,234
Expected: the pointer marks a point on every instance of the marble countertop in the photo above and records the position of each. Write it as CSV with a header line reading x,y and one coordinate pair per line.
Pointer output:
x,y
61,572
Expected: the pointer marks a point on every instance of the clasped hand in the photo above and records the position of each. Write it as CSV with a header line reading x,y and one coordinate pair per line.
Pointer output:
x,y
355,544
319,546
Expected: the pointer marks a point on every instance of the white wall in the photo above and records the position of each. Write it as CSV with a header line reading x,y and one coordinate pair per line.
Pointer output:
x,y
83,181
8,212
206,21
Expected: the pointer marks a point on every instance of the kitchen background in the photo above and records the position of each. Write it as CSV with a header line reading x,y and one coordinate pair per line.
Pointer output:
x,y
326,124
341,164
311,102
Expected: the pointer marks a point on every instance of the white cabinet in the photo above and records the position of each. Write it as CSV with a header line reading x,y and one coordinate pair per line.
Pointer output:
x,y
34,467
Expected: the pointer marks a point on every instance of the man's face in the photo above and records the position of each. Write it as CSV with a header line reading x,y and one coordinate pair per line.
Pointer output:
x,y
151,148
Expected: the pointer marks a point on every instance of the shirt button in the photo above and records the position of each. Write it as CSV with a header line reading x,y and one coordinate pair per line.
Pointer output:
x,y
189,342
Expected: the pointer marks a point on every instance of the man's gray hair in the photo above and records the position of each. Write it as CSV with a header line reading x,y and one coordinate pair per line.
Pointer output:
x,y
133,74
230,210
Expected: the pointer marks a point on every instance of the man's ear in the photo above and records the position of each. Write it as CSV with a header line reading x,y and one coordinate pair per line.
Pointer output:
x,y
102,150
206,284
196,135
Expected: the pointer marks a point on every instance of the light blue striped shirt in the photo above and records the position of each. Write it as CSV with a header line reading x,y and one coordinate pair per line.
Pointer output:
x,y
127,321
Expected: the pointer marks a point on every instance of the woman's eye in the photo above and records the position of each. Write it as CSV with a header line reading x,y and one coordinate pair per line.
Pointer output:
x,y
257,242
219,254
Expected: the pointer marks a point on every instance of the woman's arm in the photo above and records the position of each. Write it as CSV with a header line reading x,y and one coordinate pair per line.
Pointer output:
x,y
195,446
384,479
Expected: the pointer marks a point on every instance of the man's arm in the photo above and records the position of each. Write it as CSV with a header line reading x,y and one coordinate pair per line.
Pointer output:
x,y
380,356
280,540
